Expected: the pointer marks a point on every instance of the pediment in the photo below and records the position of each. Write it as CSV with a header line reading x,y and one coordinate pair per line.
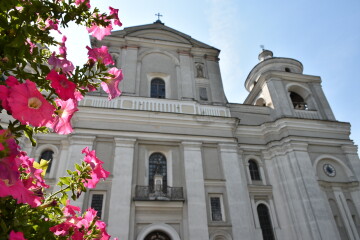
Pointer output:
x,y
157,34
158,31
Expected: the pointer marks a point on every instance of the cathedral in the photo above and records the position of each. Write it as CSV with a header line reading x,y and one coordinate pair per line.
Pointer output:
x,y
187,164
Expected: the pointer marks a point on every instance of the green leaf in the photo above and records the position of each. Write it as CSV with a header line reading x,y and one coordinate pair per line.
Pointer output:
x,y
29,134
65,180
78,167
63,198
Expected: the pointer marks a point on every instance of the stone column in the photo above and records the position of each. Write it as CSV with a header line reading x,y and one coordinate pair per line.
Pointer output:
x,y
279,96
138,78
121,185
195,192
179,82
262,174
312,201
63,156
187,76
283,200
345,214
237,192
352,155
77,144
129,69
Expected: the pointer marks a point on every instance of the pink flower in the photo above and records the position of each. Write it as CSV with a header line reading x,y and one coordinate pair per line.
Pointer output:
x,y
11,149
97,170
16,235
78,95
100,54
64,64
62,124
9,172
63,87
87,2
29,106
34,180
62,48
115,15
100,31
4,93
70,210
102,227
111,84
20,193
62,229
50,24
12,81
31,45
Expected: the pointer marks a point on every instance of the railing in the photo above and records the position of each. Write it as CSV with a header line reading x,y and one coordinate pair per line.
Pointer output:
x,y
148,193
156,104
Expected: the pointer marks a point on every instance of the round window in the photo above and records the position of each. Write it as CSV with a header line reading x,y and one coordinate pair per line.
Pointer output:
x,y
329,170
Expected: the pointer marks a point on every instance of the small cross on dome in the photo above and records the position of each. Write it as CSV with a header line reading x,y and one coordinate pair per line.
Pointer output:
x,y
158,21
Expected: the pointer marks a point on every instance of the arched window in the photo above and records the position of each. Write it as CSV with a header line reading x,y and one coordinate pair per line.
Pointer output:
x,y
157,235
265,222
254,170
157,166
48,156
287,70
298,102
157,88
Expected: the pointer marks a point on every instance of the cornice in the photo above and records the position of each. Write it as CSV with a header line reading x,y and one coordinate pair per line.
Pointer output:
x,y
151,136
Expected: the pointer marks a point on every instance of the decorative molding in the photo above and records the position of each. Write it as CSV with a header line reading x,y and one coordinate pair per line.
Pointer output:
x,y
81,139
124,142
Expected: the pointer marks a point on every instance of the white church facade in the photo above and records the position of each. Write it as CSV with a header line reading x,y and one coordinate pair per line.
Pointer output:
x,y
187,164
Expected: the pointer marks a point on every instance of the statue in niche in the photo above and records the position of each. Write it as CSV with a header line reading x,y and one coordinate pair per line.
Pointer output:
x,y
200,70
158,168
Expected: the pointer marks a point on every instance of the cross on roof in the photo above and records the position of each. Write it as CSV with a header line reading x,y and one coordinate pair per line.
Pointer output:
x,y
158,15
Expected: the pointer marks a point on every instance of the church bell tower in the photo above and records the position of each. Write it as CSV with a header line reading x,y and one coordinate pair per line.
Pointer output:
x,y
279,83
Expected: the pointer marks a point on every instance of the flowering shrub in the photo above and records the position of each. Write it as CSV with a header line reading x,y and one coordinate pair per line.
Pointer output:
x,y
40,90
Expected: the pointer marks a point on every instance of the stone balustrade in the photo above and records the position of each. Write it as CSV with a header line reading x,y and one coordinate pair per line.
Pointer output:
x,y
155,104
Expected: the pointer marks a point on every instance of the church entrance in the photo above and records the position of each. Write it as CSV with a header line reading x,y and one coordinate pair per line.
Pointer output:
x,y
157,235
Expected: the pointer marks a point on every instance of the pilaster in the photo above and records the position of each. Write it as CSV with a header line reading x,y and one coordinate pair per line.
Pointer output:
x,y
120,201
237,193
187,76
353,157
345,214
287,219
77,144
279,97
195,192
308,192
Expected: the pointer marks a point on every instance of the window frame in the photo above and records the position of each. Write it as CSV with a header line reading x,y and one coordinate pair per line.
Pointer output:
x,y
48,170
222,209
253,171
158,87
91,194
269,218
164,170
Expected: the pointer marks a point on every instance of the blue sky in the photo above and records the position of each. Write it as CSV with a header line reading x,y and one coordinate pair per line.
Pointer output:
x,y
323,35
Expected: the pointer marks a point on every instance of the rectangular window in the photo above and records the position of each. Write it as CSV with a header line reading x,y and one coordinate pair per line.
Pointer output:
x,y
203,94
216,207
97,202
